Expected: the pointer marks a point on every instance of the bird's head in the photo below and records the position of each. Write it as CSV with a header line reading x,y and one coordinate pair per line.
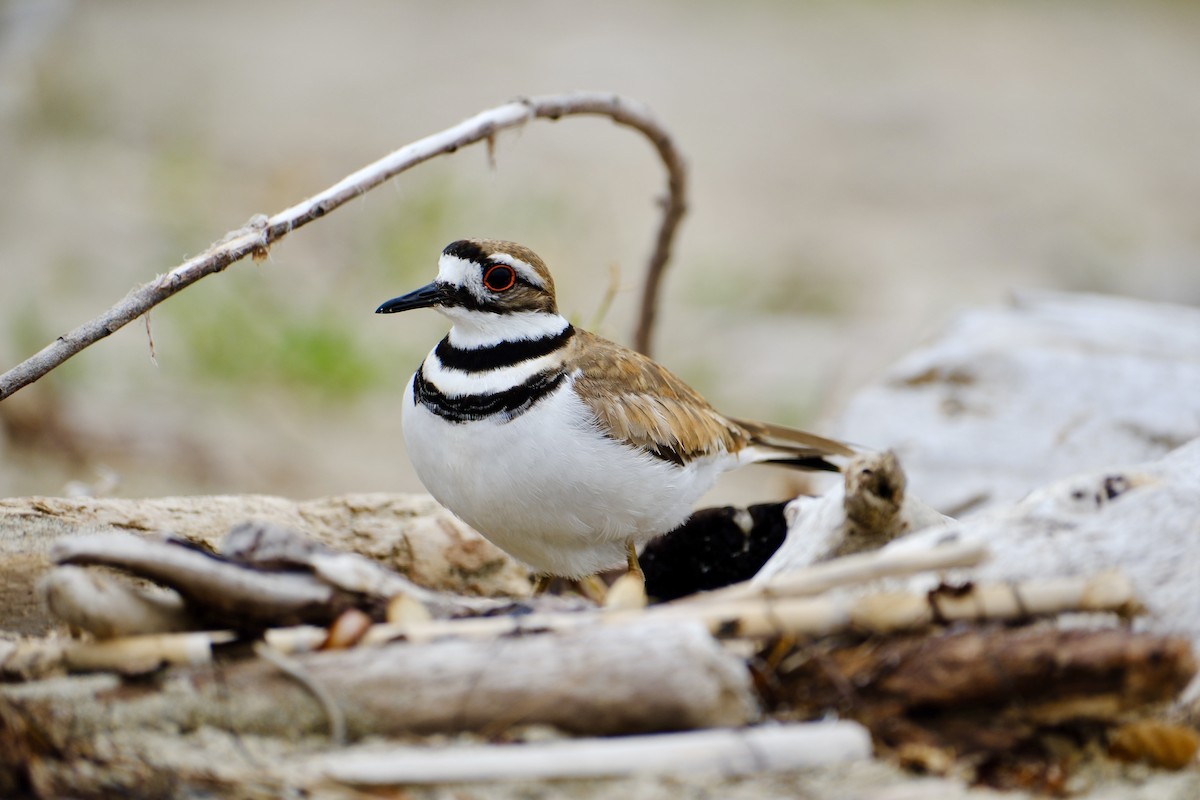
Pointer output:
x,y
481,277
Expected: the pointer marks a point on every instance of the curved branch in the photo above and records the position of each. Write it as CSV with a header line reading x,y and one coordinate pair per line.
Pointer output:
x,y
261,232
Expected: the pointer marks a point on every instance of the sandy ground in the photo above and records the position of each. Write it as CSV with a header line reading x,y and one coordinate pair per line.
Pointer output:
x,y
860,172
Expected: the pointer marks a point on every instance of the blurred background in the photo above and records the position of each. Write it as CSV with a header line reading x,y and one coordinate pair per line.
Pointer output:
x,y
860,171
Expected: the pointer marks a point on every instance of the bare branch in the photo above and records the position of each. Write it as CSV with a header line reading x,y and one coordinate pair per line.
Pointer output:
x,y
261,232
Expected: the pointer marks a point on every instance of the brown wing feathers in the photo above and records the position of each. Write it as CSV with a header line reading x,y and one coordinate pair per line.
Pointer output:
x,y
642,403
639,401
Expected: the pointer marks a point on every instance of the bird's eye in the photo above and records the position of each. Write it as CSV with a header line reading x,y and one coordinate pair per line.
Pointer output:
x,y
499,277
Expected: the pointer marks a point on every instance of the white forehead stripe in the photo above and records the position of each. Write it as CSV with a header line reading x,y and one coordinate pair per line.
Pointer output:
x,y
466,273
525,270
456,271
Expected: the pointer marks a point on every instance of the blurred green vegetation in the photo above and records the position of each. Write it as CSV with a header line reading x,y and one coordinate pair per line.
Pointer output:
x,y
257,325
245,330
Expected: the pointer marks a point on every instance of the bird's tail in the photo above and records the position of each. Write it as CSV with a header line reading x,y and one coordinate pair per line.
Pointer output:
x,y
776,444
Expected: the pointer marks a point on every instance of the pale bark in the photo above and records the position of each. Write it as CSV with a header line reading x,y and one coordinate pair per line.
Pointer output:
x,y
767,616
854,570
597,680
771,748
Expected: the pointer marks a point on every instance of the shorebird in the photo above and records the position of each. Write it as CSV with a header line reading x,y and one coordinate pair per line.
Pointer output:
x,y
564,449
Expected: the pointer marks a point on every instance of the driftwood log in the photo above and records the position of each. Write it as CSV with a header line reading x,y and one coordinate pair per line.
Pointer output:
x,y
596,680
988,690
264,576
1009,399
1011,709
981,693
409,534
748,611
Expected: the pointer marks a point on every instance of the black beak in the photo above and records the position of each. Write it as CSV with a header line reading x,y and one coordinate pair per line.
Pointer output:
x,y
424,297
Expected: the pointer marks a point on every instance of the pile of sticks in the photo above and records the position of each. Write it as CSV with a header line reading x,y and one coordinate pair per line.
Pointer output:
x,y
313,643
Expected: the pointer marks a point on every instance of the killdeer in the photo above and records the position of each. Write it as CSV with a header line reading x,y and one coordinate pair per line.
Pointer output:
x,y
564,449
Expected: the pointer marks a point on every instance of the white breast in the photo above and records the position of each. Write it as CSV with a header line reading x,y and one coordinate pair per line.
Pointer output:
x,y
548,487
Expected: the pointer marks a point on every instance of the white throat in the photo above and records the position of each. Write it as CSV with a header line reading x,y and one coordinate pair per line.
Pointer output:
x,y
473,329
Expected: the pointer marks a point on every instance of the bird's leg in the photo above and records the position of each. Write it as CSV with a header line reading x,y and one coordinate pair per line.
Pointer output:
x,y
631,556
593,588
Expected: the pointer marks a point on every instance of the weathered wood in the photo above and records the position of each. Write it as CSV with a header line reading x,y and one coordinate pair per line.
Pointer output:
x,y
599,680
1140,519
216,590
765,616
136,655
108,607
890,612
1011,398
988,689
265,576
410,534
855,570
771,748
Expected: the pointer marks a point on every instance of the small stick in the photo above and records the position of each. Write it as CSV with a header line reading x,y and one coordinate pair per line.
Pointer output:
x,y
139,654
891,612
216,586
762,617
610,294
771,748
850,571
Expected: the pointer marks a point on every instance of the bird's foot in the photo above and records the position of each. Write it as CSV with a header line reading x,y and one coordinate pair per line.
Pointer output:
x,y
629,591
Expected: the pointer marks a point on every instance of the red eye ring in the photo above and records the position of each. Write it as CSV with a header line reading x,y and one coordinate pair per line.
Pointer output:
x,y
499,277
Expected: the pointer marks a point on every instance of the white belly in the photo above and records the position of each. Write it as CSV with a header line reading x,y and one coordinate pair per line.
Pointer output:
x,y
548,488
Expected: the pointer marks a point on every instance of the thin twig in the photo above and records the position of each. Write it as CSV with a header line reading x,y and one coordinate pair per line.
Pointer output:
x,y
296,671
150,340
610,294
261,232
851,570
